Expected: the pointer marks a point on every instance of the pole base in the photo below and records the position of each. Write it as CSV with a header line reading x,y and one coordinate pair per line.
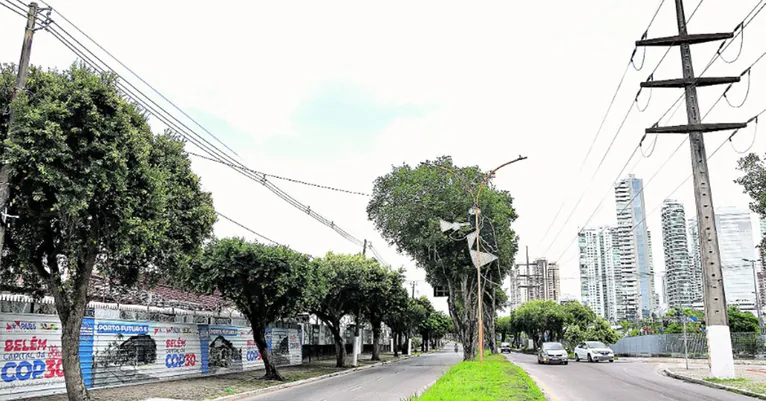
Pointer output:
x,y
720,358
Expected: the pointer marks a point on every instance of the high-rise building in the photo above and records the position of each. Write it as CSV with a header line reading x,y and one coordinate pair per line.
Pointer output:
x,y
552,280
735,239
681,291
695,259
539,279
600,271
637,273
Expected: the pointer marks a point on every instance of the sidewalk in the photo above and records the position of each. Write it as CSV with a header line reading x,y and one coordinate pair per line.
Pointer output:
x,y
751,378
744,362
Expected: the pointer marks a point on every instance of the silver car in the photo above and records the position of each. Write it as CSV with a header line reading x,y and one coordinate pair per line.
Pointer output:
x,y
593,351
552,353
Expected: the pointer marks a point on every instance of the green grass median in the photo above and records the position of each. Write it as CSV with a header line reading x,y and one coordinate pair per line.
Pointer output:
x,y
495,379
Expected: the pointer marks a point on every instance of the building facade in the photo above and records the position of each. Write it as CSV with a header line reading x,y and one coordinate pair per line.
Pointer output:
x,y
539,279
735,239
636,270
600,271
681,292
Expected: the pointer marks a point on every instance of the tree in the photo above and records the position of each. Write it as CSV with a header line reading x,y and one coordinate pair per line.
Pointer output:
x,y
340,292
396,315
381,290
754,184
265,283
742,322
503,327
424,320
94,190
406,206
541,319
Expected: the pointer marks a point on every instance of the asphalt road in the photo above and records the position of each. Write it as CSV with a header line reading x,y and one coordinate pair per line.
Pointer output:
x,y
621,380
390,382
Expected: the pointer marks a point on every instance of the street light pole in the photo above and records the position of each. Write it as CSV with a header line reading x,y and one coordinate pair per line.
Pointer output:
x,y
757,295
476,210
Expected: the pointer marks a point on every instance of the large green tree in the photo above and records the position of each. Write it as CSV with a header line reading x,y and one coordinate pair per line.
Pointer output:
x,y
753,182
395,316
340,291
93,189
266,283
406,206
381,289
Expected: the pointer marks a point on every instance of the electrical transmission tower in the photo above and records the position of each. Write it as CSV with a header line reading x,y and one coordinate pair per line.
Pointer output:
x,y
718,335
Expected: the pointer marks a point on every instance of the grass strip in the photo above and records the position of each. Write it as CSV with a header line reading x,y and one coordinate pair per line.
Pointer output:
x,y
495,379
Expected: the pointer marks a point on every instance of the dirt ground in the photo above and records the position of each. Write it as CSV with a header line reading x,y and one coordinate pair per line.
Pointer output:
x,y
205,388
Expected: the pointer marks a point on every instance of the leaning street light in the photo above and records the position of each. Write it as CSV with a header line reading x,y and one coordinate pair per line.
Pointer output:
x,y
757,295
479,258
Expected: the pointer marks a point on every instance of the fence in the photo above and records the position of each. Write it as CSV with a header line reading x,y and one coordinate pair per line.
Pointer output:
x,y
119,351
744,345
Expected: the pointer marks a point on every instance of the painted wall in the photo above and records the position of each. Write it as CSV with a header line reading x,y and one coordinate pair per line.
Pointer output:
x,y
118,352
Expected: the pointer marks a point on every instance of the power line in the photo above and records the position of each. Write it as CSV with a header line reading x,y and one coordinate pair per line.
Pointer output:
x,y
279,177
190,134
739,29
606,114
646,215
603,121
248,229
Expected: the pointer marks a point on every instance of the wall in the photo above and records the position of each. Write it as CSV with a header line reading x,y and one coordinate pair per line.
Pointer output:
x,y
744,345
118,352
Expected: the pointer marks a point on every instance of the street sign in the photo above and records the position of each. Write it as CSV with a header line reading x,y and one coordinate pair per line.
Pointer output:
x,y
440,292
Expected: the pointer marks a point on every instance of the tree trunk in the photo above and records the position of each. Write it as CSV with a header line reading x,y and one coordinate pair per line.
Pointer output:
x,y
340,345
70,358
396,344
375,342
70,299
259,336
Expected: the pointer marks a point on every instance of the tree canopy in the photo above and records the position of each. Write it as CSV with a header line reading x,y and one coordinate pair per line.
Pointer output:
x,y
406,207
93,189
266,283
753,182
340,291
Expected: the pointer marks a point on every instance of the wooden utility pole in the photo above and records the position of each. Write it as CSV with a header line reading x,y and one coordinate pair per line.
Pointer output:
x,y
721,360
21,81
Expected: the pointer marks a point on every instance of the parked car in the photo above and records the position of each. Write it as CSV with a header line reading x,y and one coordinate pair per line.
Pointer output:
x,y
505,347
593,351
552,353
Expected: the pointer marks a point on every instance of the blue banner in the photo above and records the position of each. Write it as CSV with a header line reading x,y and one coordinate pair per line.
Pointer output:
x,y
122,328
86,350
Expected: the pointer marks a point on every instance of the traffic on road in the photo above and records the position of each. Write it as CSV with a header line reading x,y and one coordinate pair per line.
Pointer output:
x,y
621,380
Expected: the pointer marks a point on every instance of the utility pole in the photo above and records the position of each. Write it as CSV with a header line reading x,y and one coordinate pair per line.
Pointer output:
x,y
364,249
757,295
21,81
413,288
721,360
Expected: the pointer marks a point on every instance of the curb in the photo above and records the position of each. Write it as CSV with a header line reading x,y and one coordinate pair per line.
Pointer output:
x,y
714,385
240,396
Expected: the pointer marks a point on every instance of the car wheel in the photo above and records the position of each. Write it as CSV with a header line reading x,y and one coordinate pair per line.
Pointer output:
x,y
590,359
577,357
611,361
566,362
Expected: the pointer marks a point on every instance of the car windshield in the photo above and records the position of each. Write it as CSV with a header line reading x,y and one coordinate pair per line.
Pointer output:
x,y
595,344
552,346
505,345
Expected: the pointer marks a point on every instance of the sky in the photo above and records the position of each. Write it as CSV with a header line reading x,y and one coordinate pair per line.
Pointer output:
x,y
336,92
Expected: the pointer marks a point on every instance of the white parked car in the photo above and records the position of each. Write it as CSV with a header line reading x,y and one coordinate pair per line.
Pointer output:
x,y
593,351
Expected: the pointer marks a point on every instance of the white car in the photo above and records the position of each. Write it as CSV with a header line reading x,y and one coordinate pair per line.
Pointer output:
x,y
593,351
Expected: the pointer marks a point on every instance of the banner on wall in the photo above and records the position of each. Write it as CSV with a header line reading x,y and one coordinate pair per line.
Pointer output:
x,y
115,352
30,362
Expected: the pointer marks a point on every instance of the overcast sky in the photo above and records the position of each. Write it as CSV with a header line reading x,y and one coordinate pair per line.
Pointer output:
x,y
335,92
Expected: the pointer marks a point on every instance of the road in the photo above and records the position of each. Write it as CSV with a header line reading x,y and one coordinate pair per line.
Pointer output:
x,y
390,382
621,380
